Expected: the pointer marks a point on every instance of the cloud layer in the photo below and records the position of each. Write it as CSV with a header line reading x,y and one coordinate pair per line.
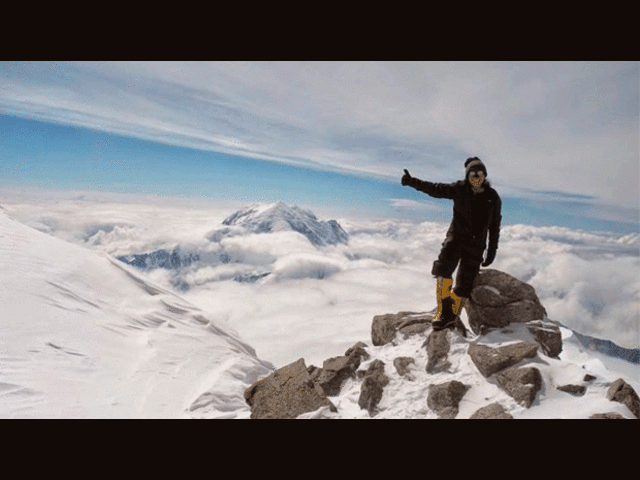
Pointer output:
x,y
327,295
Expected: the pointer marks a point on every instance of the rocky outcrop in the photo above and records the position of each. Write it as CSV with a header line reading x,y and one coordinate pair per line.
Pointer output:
x,y
384,328
548,336
495,411
373,384
491,360
509,357
335,371
359,351
497,299
575,390
286,393
607,416
521,383
620,391
402,366
444,398
437,345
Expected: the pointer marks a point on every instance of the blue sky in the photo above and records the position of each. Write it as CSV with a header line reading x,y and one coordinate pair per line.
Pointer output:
x,y
560,139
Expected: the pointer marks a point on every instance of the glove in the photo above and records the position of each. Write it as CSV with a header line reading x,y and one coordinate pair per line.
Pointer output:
x,y
406,178
491,256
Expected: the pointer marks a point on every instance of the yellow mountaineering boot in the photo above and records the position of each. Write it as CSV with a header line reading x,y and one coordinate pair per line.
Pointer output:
x,y
444,316
458,303
440,294
449,305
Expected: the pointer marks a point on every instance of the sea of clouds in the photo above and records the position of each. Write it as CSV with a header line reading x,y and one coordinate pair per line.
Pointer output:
x,y
300,296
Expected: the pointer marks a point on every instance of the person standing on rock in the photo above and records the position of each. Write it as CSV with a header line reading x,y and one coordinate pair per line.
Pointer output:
x,y
476,212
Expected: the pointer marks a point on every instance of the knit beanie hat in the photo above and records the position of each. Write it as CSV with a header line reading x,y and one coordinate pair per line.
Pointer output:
x,y
471,163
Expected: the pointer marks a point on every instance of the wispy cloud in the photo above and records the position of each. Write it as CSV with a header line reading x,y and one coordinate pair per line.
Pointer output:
x,y
553,126
405,204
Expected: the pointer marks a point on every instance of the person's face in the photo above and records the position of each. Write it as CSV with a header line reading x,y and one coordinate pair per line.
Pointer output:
x,y
476,176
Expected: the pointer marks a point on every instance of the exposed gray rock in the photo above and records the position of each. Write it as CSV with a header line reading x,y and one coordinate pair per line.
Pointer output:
x,y
314,372
286,393
607,416
495,411
334,373
372,387
358,350
497,299
577,390
548,335
444,398
413,329
384,328
521,383
437,345
491,360
620,391
402,365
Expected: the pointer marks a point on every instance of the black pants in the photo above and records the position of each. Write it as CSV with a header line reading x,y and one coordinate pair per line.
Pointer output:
x,y
464,251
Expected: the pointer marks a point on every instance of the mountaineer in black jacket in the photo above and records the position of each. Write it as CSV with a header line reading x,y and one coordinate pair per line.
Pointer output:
x,y
476,212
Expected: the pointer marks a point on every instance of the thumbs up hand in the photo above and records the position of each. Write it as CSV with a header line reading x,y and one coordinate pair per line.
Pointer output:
x,y
406,177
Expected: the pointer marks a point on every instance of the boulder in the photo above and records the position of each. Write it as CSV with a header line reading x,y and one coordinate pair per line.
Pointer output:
x,y
437,345
607,416
495,411
548,335
402,365
575,390
372,387
286,393
314,372
490,360
620,391
497,299
384,328
335,371
444,398
521,383
358,350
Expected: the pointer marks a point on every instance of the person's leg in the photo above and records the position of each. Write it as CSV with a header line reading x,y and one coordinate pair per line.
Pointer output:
x,y
443,269
470,262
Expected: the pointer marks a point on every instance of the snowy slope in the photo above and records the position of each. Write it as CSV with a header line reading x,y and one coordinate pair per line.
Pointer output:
x,y
82,335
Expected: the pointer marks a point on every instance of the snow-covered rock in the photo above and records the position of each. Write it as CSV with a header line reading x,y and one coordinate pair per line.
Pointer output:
x,y
498,299
286,393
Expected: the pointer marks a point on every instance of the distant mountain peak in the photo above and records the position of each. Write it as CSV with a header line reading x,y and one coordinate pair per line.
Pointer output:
x,y
278,216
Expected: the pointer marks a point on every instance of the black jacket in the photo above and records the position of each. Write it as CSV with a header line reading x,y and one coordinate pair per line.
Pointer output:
x,y
474,214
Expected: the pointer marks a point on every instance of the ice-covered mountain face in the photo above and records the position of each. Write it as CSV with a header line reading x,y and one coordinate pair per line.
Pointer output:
x,y
279,217
82,335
